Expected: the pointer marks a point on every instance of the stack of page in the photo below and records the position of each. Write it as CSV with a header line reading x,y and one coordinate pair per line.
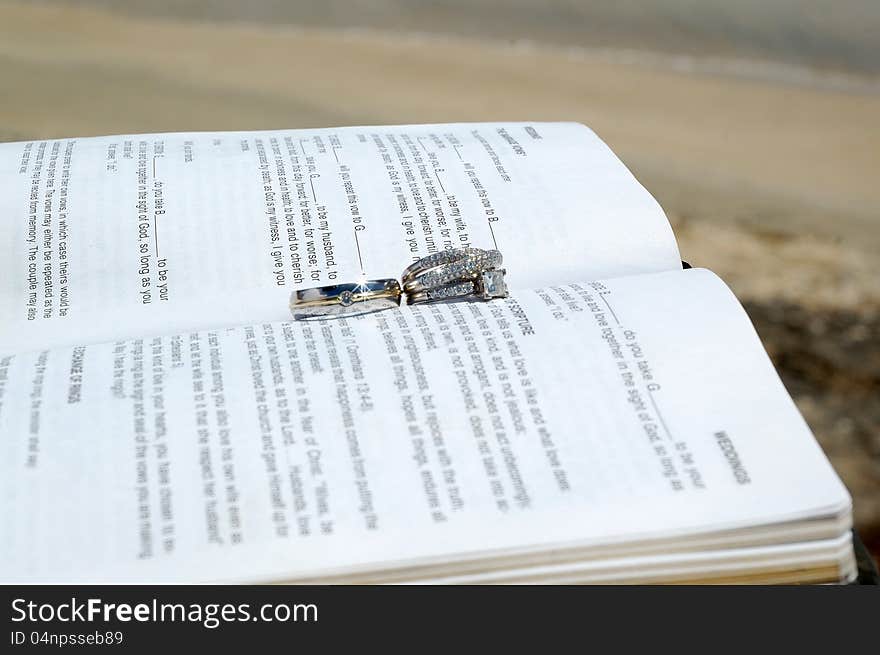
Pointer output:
x,y
162,418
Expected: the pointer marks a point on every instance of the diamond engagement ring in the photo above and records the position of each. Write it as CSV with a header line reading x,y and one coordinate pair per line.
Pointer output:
x,y
466,273
488,286
345,299
447,266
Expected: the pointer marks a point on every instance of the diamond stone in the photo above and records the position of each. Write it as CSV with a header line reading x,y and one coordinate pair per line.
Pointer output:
x,y
345,298
493,284
449,291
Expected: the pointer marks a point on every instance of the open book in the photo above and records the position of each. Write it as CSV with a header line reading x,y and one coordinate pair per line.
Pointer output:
x,y
162,419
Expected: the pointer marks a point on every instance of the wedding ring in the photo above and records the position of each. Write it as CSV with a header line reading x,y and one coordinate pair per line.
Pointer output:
x,y
461,274
345,299
488,286
449,266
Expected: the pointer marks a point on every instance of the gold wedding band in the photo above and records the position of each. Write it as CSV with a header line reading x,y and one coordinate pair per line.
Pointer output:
x,y
345,299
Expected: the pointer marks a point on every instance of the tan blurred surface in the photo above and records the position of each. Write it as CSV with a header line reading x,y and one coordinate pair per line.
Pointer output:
x,y
776,187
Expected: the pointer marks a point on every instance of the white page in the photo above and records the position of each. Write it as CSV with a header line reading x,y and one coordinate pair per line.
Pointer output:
x,y
411,436
132,236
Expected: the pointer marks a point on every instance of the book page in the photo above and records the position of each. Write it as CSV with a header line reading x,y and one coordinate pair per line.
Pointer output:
x,y
579,415
133,236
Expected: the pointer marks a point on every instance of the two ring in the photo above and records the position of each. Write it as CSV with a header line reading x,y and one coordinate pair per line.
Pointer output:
x,y
461,274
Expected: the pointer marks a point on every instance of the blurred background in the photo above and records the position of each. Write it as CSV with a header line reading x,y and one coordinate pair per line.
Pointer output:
x,y
756,124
